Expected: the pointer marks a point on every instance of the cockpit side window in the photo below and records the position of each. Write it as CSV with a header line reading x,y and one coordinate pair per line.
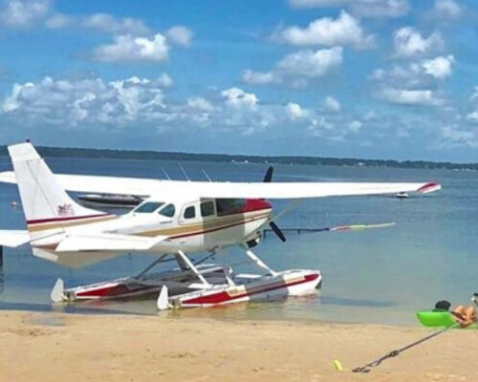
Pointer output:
x,y
148,207
229,206
207,209
168,211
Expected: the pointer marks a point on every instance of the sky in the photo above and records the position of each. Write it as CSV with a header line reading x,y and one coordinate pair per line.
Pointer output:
x,y
389,79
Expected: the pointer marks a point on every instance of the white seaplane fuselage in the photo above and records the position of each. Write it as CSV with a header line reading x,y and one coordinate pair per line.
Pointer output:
x,y
185,230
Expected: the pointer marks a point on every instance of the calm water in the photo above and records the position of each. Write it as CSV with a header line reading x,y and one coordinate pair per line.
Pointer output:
x,y
380,275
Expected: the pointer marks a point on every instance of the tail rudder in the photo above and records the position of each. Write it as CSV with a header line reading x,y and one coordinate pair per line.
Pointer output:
x,y
46,204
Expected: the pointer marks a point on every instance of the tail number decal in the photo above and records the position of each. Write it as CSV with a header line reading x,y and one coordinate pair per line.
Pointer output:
x,y
65,210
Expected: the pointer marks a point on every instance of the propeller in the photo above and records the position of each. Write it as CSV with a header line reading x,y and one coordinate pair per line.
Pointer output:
x,y
275,228
268,175
277,231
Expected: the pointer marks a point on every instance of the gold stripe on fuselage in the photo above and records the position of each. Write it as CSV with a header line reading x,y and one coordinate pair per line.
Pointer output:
x,y
183,229
67,224
210,225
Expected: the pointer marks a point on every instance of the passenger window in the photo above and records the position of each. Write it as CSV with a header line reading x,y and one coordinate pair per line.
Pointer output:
x,y
168,211
190,212
207,209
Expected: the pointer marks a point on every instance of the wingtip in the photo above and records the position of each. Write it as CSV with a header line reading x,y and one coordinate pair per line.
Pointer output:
x,y
429,187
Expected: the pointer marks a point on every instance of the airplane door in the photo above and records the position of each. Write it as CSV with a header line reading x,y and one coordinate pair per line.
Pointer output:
x,y
190,214
190,222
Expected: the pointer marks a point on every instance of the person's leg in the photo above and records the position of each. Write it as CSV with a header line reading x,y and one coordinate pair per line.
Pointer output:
x,y
460,309
459,315
470,314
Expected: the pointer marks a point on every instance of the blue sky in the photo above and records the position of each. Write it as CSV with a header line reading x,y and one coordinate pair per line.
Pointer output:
x,y
344,78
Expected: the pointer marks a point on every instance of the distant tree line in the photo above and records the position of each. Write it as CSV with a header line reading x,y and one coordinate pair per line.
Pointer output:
x,y
178,156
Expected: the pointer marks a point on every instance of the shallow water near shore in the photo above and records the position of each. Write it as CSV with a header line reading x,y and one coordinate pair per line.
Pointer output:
x,y
374,276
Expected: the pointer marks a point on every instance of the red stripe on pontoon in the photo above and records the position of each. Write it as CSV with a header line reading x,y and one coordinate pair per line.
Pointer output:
x,y
224,296
113,291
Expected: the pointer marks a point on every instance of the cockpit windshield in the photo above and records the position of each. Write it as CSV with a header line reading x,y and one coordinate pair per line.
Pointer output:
x,y
148,207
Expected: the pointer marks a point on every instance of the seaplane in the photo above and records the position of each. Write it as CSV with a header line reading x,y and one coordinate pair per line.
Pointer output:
x,y
172,220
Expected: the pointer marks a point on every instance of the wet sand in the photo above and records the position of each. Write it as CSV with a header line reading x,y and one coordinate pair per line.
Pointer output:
x,y
50,347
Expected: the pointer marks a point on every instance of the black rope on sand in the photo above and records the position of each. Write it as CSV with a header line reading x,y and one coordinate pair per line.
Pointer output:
x,y
367,368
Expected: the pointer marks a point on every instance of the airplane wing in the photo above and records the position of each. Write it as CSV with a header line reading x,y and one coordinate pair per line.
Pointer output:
x,y
13,238
100,184
227,190
107,242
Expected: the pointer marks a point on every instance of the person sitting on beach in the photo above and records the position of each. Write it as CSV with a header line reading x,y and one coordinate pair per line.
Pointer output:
x,y
464,316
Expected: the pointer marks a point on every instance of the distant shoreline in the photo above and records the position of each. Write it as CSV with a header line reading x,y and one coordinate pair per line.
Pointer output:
x,y
288,160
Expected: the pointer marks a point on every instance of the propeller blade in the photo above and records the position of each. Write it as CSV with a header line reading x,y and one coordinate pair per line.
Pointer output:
x,y
268,175
277,231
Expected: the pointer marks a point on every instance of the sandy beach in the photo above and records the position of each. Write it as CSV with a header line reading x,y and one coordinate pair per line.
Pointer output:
x,y
44,347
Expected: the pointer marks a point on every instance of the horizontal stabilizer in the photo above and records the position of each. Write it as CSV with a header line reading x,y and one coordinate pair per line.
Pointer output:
x,y
13,239
107,242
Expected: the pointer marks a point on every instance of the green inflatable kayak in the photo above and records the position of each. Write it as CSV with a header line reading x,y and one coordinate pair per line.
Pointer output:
x,y
435,318
439,318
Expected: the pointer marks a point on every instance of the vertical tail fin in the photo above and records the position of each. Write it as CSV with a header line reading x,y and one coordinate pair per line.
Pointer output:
x,y
46,204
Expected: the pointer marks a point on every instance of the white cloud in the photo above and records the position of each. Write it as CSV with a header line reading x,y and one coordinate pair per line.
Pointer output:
x,y
473,116
260,78
142,105
180,35
424,97
129,48
475,94
446,9
355,126
439,67
236,97
88,101
345,30
295,111
421,73
107,23
311,64
298,68
317,3
201,104
57,21
363,8
408,43
23,13
380,8
455,138
164,81
332,104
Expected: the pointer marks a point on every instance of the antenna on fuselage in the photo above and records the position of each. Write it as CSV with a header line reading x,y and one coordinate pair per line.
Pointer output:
x,y
184,171
206,175
165,173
